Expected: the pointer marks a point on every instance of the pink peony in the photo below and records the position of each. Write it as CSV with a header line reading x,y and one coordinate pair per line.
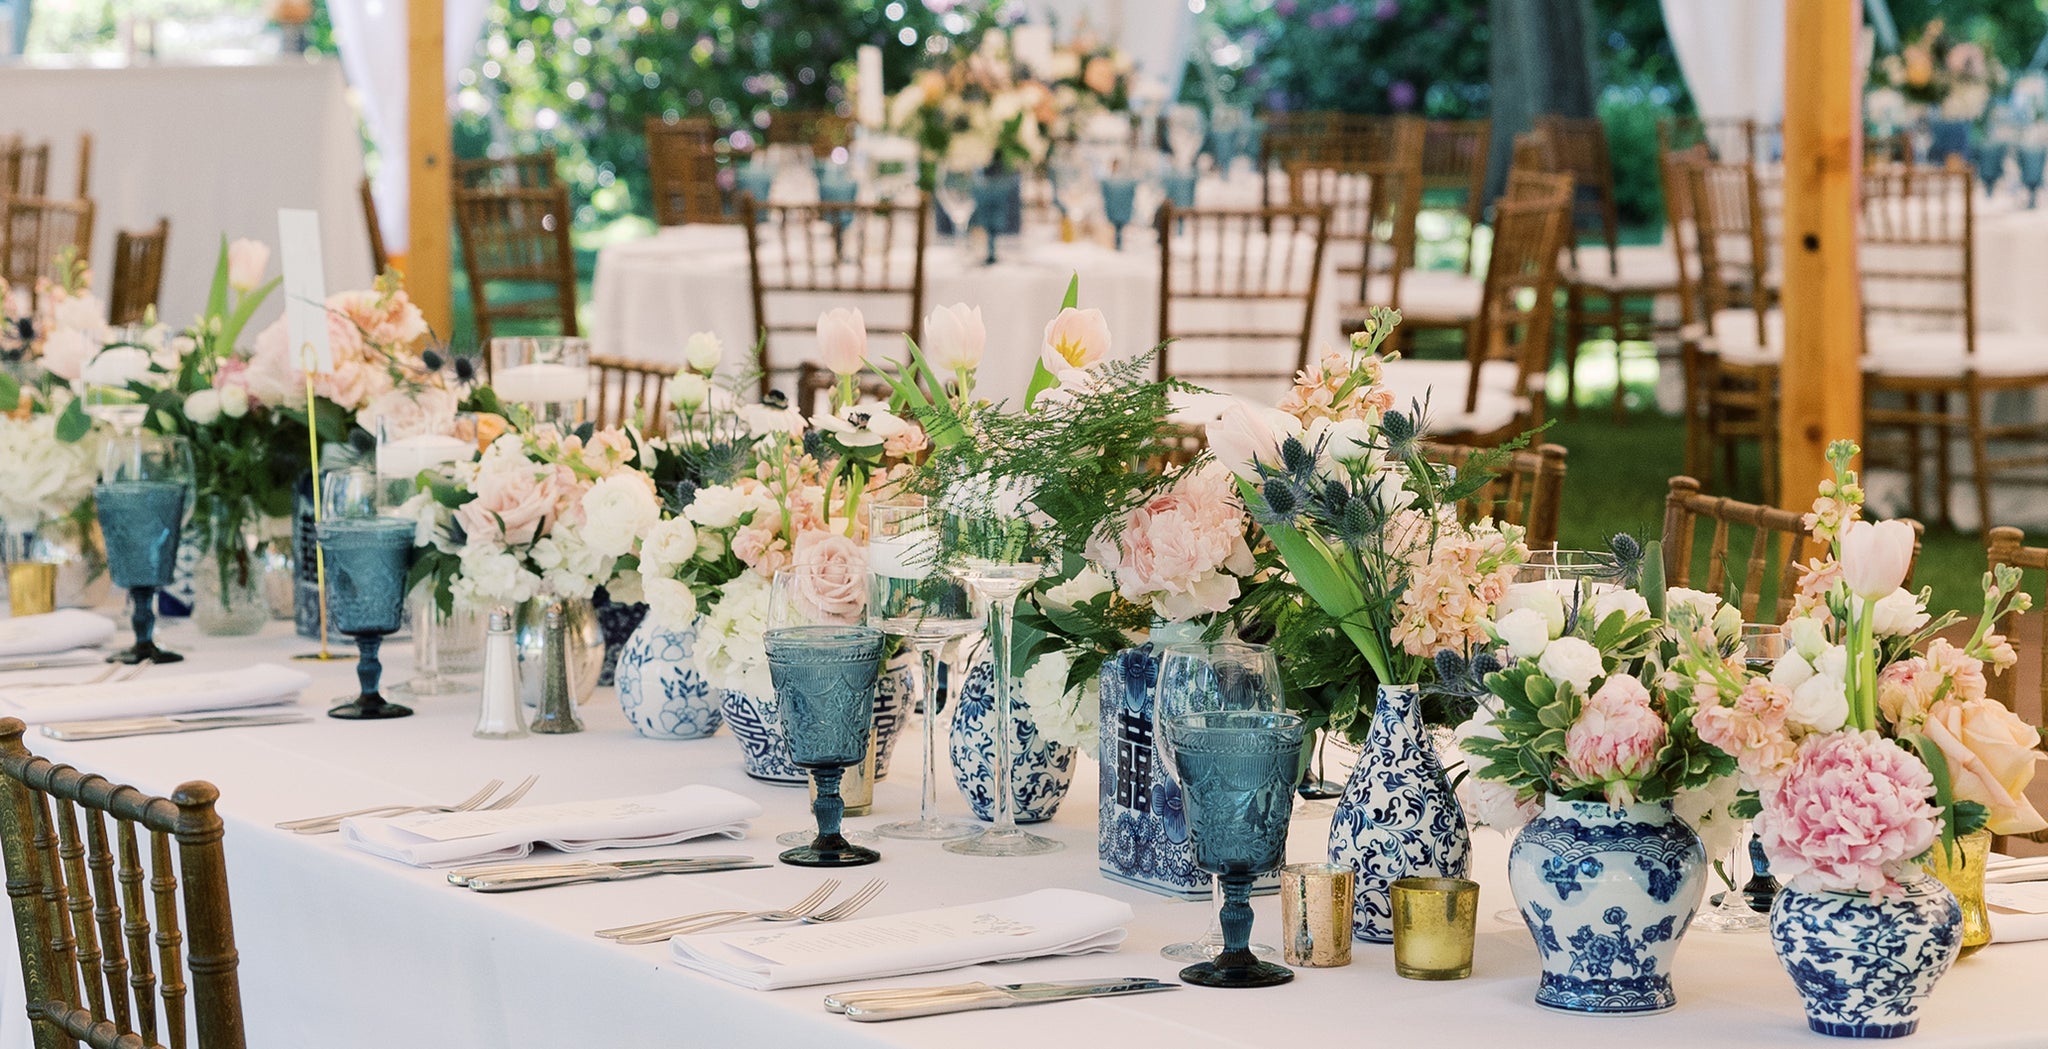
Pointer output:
x,y
1183,550
834,580
516,501
1849,814
1616,738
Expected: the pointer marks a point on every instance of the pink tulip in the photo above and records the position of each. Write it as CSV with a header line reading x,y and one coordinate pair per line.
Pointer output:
x,y
1245,433
1075,340
1876,557
842,340
954,337
247,260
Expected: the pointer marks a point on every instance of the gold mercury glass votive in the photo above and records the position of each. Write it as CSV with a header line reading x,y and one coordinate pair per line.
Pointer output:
x,y
31,587
1433,923
1315,914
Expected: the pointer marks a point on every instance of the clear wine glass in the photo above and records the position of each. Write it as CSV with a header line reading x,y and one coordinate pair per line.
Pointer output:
x,y
825,663
1198,677
953,191
910,596
144,497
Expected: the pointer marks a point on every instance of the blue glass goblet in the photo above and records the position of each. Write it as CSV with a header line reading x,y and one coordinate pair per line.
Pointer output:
x,y
144,493
366,560
1236,770
1990,164
2031,160
1179,186
825,679
1119,201
755,179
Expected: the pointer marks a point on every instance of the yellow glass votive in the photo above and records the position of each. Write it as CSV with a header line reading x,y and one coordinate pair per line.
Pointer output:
x,y
1962,870
1315,914
1433,923
31,587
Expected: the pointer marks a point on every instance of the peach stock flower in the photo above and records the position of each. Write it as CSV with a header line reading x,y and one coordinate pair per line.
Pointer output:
x,y
1852,810
1753,730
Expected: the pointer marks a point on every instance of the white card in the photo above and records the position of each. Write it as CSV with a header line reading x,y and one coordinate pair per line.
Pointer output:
x,y
2026,898
305,289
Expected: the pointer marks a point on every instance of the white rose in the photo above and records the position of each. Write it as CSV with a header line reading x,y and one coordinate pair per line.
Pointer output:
x,y
1541,598
1702,604
1614,599
668,544
1791,671
234,401
202,407
1808,636
1820,703
1571,660
716,506
688,391
617,510
1086,585
1833,662
1525,631
703,352
1897,614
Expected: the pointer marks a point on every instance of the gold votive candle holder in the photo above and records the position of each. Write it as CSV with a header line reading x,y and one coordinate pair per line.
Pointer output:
x,y
1315,914
1433,926
31,587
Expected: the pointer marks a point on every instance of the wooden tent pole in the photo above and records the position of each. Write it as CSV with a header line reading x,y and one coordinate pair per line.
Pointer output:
x,y
428,261
1822,377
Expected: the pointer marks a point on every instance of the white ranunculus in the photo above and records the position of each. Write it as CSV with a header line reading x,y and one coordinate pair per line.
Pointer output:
x,y
1702,604
617,510
234,400
1524,631
202,407
1573,661
717,506
703,352
669,544
1541,598
1820,703
1618,599
1897,614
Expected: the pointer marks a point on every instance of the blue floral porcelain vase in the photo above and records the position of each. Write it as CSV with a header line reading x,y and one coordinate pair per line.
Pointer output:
x,y
765,751
660,689
1862,965
1398,817
1607,891
1040,772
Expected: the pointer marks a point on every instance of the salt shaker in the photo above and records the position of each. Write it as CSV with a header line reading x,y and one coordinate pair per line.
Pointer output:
x,y
557,714
501,715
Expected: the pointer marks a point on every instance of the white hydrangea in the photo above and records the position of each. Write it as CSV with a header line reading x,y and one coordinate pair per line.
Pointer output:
x,y
492,576
1706,809
1064,716
731,650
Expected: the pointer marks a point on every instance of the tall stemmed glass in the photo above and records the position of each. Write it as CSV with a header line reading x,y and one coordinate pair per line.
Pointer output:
x,y
910,596
367,556
144,497
1236,773
998,557
953,191
825,662
1202,676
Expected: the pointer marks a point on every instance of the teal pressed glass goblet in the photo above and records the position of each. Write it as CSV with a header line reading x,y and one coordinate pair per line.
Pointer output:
x,y
143,496
1119,204
367,558
1236,770
825,679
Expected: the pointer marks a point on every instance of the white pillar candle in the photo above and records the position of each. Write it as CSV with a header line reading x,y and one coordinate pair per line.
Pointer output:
x,y
542,383
910,555
868,86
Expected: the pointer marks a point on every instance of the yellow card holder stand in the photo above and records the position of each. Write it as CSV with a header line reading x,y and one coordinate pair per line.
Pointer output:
x,y
325,655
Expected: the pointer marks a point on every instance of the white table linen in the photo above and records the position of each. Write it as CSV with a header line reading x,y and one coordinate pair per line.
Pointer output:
x,y
339,948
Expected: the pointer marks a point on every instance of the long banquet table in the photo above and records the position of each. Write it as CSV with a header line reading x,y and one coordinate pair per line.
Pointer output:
x,y
339,948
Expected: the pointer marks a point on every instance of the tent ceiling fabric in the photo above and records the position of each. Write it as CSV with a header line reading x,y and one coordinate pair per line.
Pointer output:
x,y
1733,55
371,36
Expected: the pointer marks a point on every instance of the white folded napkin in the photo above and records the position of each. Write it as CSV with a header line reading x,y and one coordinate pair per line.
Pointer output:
x,y
448,838
1046,922
53,632
155,694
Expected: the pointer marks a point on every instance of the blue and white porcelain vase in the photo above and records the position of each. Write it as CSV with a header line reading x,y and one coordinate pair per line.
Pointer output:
x,y
1607,892
1862,965
1040,771
660,688
757,724
1398,817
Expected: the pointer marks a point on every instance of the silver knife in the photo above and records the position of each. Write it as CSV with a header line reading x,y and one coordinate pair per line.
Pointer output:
x,y
48,662
115,728
903,1003
460,876
607,872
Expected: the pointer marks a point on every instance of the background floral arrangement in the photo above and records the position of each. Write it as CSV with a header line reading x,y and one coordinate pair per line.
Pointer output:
x,y
1956,77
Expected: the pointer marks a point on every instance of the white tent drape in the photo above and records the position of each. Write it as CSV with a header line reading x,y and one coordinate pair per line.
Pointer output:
x,y
371,35
1155,33
1733,55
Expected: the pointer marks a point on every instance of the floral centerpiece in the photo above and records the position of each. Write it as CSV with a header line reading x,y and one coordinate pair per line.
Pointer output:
x,y
1954,78
982,112
1872,748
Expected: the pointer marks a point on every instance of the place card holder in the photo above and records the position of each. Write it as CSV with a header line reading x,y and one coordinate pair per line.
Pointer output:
x,y
306,582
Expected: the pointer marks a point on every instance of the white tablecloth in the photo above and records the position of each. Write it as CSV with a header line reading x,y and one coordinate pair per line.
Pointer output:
x,y
216,148
339,948
651,294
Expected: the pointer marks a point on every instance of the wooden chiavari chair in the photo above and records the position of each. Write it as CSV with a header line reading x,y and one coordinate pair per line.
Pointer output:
x,y
1498,390
682,167
1372,210
1451,299
85,895
1620,296
848,254
1529,490
34,232
517,239
1771,544
1455,155
518,171
1327,137
631,392
138,272
1732,357
1730,140
1928,369
1237,290
823,130
380,259
84,166
24,169
2007,546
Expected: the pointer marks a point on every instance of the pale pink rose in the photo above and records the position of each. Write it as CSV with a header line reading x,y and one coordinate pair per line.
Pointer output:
x,y
1876,557
247,259
1991,755
842,340
516,501
1615,740
1852,810
65,352
832,574
1075,339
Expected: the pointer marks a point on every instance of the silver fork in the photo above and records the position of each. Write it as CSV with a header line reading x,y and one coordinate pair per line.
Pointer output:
x,y
512,797
111,674
649,932
845,908
323,824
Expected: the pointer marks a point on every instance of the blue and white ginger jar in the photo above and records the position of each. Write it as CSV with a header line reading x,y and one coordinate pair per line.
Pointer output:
x,y
757,723
1863,966
1397,818
660,689
1040,771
